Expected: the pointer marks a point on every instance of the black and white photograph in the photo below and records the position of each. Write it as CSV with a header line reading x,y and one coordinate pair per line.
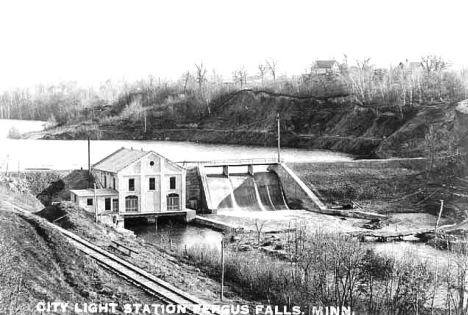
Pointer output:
x,y
233,157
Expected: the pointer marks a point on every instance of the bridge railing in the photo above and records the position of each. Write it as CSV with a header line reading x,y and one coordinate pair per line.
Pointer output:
x,y
234,161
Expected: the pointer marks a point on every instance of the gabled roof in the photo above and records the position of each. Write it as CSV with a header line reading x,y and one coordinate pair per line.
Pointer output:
x,y
123,158
327,64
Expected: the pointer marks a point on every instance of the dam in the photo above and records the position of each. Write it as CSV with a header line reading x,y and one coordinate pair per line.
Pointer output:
x,y
254,185
259,192
237,185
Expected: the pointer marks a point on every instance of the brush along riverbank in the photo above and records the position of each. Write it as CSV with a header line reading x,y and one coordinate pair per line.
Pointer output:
x,y
318,268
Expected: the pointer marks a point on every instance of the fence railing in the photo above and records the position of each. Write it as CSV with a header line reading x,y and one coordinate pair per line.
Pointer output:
x,y
234,162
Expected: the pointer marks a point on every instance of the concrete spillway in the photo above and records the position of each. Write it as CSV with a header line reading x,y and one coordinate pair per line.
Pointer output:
x,y
260,192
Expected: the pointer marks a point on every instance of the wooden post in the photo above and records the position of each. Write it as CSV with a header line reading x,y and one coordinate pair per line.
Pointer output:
x,y
222,269
145,122
440,214
279,136
95,205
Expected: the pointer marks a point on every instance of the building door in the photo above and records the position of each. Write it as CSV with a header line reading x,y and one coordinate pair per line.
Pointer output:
x,y
173,202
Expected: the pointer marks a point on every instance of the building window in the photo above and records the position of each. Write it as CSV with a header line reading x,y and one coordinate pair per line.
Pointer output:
x,y
173,202
131,184
113,182
107,204
89,201
152,183
115,205
131,204
172,183
105,181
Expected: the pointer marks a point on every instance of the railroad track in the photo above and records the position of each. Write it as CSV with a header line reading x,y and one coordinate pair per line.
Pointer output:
x,y
164,291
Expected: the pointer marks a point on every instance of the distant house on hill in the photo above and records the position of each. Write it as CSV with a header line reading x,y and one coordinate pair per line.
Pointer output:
x,y
415,65
410,65
325,66
133,182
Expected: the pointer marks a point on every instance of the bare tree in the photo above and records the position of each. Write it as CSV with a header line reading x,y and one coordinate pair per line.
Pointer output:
x,y
186,77
217,80
200,75
262,70
432,63
240,76
360,81
271,66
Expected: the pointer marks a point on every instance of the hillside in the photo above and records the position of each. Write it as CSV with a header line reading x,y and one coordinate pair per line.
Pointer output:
x,y
248,117
38,264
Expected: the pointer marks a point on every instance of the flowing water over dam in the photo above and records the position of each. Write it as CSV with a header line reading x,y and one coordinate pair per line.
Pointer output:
x,y
259,192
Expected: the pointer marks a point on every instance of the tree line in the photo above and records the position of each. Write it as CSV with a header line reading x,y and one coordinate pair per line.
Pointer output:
x,y
192,96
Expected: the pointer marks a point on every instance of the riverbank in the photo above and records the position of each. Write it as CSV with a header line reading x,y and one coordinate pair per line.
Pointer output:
x,y
248,118
350,145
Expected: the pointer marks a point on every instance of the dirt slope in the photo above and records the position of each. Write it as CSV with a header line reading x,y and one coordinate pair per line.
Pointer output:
x,y
38,264
249,117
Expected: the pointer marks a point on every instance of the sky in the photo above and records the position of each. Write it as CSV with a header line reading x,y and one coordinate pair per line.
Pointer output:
x,y
90,41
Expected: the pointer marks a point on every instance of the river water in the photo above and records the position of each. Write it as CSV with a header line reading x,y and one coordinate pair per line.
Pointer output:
x,y
73,154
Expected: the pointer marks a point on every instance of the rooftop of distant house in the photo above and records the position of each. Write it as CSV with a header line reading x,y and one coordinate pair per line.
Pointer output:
x,y
325,63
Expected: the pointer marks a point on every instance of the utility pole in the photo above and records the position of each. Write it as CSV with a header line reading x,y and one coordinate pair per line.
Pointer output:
x,y
95,205
89,162
222,268
279,137
440,214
